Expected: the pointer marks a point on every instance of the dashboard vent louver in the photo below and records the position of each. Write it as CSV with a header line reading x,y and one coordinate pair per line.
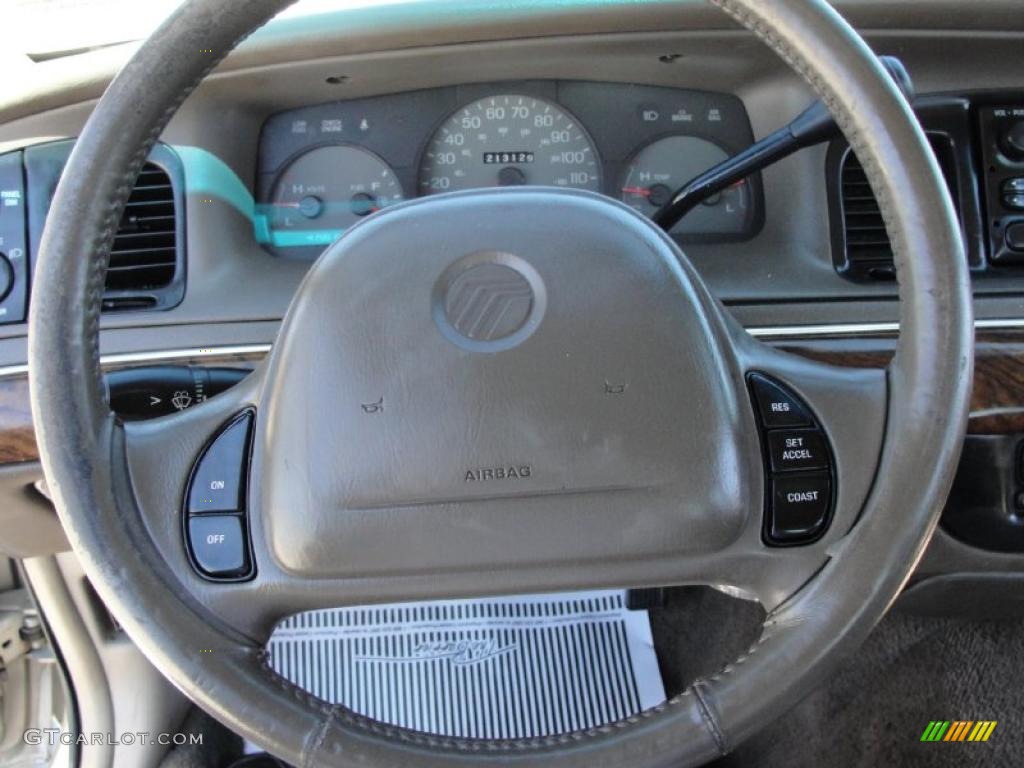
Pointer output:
x,y
867,252
144,256
867,244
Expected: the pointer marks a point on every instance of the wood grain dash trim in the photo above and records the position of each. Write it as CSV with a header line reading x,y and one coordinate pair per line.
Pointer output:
x,y
997,401
17,436
997,397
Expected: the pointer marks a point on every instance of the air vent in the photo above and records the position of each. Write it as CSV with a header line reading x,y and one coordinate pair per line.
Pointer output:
x,y
864,251
147,260
867,244
144,256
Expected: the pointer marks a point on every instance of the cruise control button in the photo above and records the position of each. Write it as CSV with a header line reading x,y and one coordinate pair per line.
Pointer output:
x,y
217,544
219,478
794,449
800,505
1015,236
1014,202
778,408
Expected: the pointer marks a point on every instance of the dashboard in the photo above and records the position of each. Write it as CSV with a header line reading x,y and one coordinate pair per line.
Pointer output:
x,y
313,124
317,124
325,167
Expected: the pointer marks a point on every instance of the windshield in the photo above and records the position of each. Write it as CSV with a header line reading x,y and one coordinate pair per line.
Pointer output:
x,y
46,29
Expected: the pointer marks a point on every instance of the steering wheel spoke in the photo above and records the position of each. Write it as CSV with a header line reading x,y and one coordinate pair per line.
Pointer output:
x,y
847,406
821,429
189,475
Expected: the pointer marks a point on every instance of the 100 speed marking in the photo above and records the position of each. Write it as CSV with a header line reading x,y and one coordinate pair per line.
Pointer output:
x,y
508,140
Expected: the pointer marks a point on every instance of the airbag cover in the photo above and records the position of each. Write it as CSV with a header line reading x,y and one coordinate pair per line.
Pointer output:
x,y
500,378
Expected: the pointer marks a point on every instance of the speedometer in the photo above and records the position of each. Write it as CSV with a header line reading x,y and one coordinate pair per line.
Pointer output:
x,y
509,140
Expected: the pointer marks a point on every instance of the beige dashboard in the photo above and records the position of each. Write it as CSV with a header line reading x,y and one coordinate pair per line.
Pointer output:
x,y
782,283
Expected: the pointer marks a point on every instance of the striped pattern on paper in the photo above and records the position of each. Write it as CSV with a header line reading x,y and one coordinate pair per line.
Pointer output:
x,y
503,668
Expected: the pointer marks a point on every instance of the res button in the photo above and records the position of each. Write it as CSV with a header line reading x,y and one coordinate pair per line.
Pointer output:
x,y
776,406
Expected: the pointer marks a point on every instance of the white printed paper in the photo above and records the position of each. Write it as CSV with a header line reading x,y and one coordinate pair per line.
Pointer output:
x,y
501,668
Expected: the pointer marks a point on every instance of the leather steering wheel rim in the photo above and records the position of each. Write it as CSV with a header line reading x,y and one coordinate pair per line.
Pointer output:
x,y
83,452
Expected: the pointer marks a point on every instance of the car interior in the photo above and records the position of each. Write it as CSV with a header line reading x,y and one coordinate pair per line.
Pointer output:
x,y
480,382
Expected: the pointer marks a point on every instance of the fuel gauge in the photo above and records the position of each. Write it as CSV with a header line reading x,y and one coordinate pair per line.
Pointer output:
x,y
325,191
663,166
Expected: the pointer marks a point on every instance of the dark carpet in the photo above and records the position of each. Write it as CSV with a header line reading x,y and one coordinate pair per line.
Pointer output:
x,y
911,670
872,713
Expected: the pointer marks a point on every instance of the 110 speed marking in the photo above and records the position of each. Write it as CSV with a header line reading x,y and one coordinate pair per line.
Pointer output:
x,y
509,140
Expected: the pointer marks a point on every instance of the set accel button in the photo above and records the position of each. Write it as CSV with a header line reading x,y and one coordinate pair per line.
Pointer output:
x,y
792,449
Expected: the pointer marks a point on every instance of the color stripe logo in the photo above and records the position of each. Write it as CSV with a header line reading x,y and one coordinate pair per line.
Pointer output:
x,y
958,730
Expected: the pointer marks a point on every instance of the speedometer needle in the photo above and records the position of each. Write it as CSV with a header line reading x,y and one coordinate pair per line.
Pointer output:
x,y
643,192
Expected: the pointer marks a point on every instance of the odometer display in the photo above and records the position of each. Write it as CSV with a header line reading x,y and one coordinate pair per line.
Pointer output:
x,y
509,140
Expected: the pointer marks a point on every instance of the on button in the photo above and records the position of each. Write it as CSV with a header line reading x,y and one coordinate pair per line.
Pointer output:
x,y
218,482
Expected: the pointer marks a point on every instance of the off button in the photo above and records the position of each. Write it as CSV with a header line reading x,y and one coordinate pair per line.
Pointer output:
x,y
797,449
218,545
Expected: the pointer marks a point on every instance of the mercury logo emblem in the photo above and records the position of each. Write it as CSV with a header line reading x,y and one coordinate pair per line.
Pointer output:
x,y
488,302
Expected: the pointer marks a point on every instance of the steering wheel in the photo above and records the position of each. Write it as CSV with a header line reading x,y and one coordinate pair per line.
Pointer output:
x,y
589,425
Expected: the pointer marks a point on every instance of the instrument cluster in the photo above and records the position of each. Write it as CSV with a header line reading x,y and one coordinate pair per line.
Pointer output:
x,y
325,167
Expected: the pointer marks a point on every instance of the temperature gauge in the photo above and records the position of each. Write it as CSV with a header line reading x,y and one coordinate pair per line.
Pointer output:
x,y
661,167
326,190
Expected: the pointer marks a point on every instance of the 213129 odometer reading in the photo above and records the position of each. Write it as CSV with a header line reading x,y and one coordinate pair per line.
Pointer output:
x,y
509,140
